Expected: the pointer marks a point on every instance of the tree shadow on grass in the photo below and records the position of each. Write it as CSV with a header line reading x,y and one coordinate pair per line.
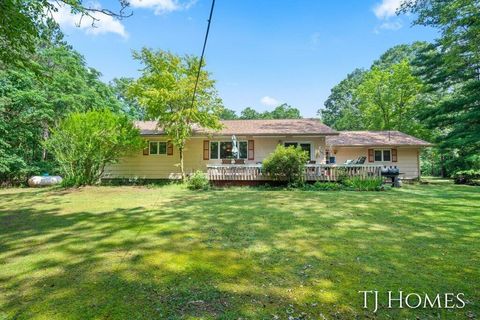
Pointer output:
x,y
229,254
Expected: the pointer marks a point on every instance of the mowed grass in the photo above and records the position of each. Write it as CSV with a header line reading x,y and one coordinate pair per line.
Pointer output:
x,y
171,253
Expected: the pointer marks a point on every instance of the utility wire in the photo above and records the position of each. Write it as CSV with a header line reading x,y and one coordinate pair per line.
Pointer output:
x,y
203,52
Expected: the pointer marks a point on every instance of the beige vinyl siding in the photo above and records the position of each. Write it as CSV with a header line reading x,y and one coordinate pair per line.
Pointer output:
x,y
407,158
167,167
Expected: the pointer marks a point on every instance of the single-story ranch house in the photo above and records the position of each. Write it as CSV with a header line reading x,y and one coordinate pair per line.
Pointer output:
x,y
256,139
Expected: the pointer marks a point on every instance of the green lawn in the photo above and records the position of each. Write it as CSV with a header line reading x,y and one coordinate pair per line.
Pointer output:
x,y
171,253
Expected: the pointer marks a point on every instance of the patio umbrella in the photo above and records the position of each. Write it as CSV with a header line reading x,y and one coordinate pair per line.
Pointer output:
x,y
234,146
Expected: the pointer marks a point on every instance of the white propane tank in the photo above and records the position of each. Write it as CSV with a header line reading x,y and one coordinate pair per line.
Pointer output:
x,y
44,181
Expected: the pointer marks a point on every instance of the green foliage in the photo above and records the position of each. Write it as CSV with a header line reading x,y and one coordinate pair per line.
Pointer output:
x,y
388,99
84,143
364,184
227,114
466,177
341,108
165,89
286,163
324,186
451,64
198,181
283,111
128,105
25,23
31,101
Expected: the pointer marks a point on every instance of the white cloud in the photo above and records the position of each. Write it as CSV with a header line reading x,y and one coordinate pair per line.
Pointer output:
x,y
387,8
102,25
162,6
394,25
269,101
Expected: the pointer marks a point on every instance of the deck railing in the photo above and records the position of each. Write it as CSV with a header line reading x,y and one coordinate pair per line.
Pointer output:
x,y
313,172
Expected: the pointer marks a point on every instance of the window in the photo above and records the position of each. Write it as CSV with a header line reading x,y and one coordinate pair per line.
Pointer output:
x,y
305,147
332,160
214,150
223,150
243,150
386,155
157,147
153,147
383,155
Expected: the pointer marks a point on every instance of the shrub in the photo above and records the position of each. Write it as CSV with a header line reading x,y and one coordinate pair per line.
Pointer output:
x,y
466,176
198,181
84,143
286,163
324,186
364,184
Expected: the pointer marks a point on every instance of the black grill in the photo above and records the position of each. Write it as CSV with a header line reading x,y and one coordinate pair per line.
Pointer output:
x,y
393,173
390,171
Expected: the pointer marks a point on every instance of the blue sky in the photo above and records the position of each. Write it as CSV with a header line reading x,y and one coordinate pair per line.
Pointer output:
x,y
261,53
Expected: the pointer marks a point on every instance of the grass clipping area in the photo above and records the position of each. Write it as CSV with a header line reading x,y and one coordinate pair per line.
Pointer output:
x,y
239,253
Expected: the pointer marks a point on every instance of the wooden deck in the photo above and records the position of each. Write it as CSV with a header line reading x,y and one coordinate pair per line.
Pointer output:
x,y
313,172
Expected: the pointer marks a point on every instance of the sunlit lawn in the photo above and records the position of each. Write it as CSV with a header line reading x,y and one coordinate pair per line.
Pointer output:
x,y
171,253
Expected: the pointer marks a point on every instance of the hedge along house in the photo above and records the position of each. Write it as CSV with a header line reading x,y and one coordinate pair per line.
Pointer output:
x,y
212,151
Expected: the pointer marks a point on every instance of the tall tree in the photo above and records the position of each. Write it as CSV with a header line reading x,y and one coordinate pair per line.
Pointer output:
x,y
165,89
250,114
24,22
284,111
341,108
388,99
398,53
453,65
129,106
32,101
228,114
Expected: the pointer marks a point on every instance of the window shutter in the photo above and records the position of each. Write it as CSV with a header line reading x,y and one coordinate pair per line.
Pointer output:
x,y
146,149
251,149
371,157
169,148
206,149
394,155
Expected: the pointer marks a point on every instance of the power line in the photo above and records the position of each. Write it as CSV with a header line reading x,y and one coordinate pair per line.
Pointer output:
x,y
203,52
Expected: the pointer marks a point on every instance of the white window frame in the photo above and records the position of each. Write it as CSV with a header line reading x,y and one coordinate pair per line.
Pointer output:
x,y
312,156
382,151
158,148
218,151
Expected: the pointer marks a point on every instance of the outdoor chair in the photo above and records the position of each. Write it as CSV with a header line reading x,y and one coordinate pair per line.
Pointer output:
x,y
361,160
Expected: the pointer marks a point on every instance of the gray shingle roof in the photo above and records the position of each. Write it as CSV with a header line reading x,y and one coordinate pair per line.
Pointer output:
x,y
253,127
375,138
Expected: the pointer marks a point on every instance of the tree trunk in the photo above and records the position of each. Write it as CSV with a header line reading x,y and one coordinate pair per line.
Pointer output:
x,y
45,138
182,169
443,171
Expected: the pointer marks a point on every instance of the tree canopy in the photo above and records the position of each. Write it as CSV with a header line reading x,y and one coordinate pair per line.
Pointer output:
x,y
34,99
23,23
165,89
452,64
